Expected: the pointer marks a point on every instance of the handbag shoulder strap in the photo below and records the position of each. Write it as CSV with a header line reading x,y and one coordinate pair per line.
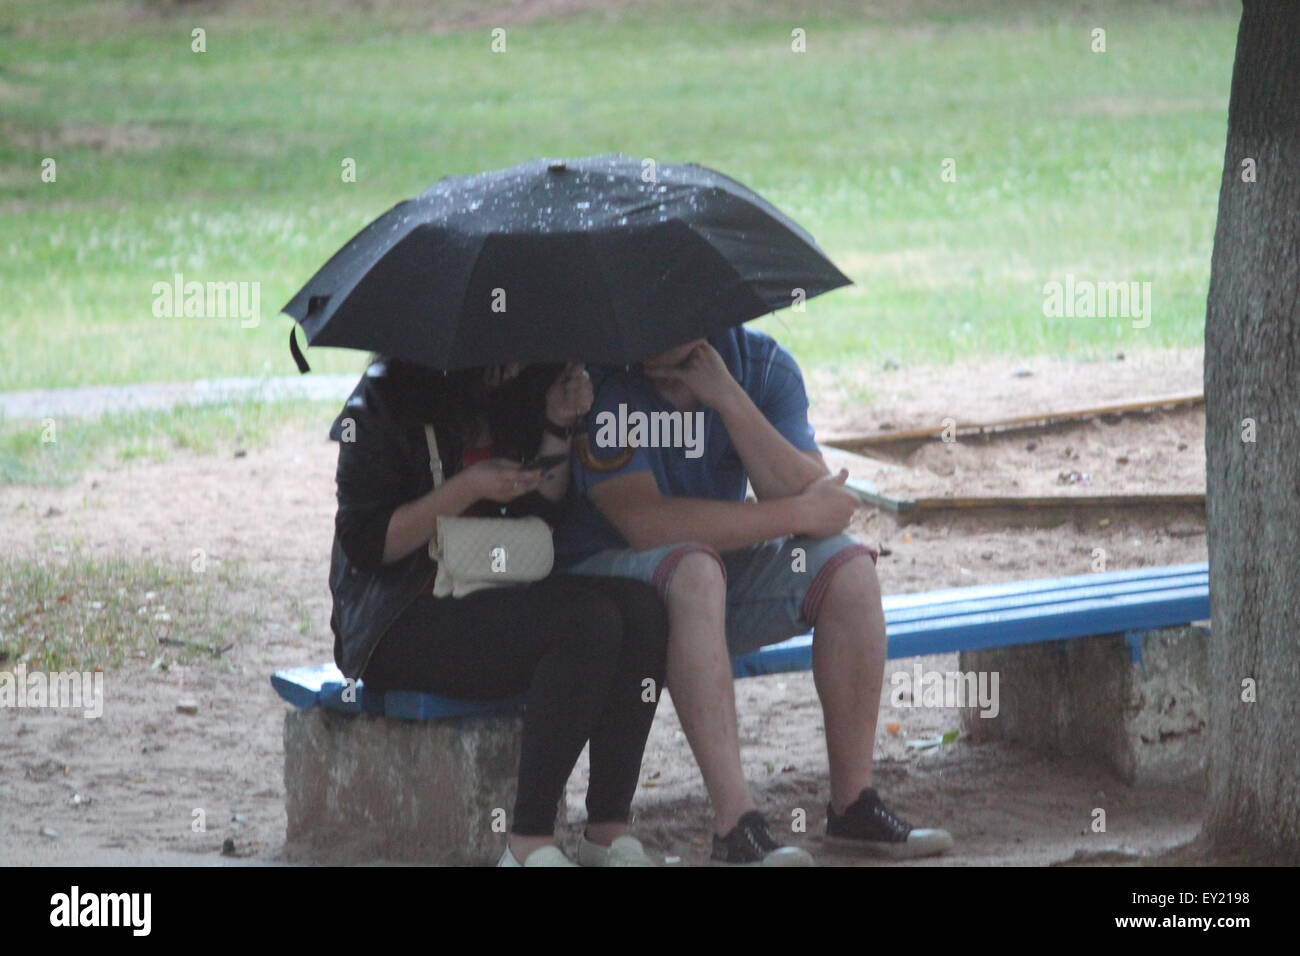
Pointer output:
x,y
435,459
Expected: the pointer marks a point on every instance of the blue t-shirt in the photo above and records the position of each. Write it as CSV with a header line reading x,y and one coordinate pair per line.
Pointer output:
x,y
689,453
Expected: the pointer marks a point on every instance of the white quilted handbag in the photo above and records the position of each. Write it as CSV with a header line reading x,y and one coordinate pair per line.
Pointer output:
x,y
477,553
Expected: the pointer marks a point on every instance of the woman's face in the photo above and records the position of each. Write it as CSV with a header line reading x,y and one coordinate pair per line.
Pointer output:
x,y
494,376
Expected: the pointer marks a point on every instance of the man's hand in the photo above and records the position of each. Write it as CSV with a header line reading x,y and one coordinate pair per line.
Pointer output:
x,y
703,373
825,507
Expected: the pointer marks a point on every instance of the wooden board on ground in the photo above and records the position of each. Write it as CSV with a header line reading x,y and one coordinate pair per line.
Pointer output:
x,y
872,495
1019,422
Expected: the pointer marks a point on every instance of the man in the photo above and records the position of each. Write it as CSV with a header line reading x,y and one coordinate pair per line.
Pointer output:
x,y
737,575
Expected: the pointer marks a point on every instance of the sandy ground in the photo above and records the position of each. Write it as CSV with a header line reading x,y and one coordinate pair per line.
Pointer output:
x,y
125,788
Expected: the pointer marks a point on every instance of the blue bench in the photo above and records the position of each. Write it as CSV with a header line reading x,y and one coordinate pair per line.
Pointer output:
x,y
323,685
1021,612
935,622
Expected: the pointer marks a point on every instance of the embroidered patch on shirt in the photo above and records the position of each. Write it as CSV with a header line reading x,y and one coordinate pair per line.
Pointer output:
x,y
601,465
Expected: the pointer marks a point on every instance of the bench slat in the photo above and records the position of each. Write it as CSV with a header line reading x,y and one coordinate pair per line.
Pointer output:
x,y
322,685
1124,589
1050,622
301,686
1014,588
412,705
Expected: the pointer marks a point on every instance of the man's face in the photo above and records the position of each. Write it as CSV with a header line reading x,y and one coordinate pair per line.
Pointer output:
x,y
673,357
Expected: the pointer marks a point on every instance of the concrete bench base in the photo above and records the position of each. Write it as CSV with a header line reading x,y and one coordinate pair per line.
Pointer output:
x,y
365,787
1136,704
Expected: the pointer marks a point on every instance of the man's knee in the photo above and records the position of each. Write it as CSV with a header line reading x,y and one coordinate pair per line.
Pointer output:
x,y
691,575
847,585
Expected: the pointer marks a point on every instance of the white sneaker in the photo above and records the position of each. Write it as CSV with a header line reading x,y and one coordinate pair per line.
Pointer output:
x,y
624,851
550,855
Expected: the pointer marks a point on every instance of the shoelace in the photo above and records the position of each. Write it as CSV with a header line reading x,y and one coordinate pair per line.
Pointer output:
x,y
891,821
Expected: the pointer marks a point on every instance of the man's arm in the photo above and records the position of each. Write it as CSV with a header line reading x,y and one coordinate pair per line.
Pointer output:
x,y
646,518
775,467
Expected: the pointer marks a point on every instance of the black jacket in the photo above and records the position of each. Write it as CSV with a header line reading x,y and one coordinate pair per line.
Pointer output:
x,y
384,463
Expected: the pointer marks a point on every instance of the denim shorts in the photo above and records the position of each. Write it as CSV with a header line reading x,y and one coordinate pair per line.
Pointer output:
x,y
774,589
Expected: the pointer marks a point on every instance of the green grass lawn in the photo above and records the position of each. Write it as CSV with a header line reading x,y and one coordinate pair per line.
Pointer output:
x,y
57,452
226,165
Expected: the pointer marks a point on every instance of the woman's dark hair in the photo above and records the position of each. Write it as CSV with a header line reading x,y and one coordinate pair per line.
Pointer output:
x,y
457,399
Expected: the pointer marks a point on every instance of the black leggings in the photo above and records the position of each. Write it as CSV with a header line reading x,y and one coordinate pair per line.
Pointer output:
x,y
581,647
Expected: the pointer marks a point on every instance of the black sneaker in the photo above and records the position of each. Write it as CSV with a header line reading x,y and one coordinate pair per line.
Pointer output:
x,y
870,827
750,843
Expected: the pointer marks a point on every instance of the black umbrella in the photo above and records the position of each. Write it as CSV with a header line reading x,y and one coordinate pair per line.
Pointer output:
x,y
601,259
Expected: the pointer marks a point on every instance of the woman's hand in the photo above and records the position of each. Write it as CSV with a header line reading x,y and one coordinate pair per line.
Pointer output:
x,y
570,396
499,479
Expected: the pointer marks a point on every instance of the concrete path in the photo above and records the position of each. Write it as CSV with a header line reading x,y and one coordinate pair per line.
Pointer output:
x,y
95,400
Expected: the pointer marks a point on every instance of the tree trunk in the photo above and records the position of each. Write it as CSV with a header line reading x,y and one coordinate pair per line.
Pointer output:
x,y
1252,375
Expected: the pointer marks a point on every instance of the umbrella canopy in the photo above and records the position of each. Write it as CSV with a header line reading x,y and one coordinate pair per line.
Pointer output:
x,y
551,260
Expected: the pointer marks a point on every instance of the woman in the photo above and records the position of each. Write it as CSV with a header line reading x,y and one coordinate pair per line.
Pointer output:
x,y
579,648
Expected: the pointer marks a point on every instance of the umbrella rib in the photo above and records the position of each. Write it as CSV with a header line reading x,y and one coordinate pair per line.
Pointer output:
x,y
740,280
451,329
599,260
703,235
